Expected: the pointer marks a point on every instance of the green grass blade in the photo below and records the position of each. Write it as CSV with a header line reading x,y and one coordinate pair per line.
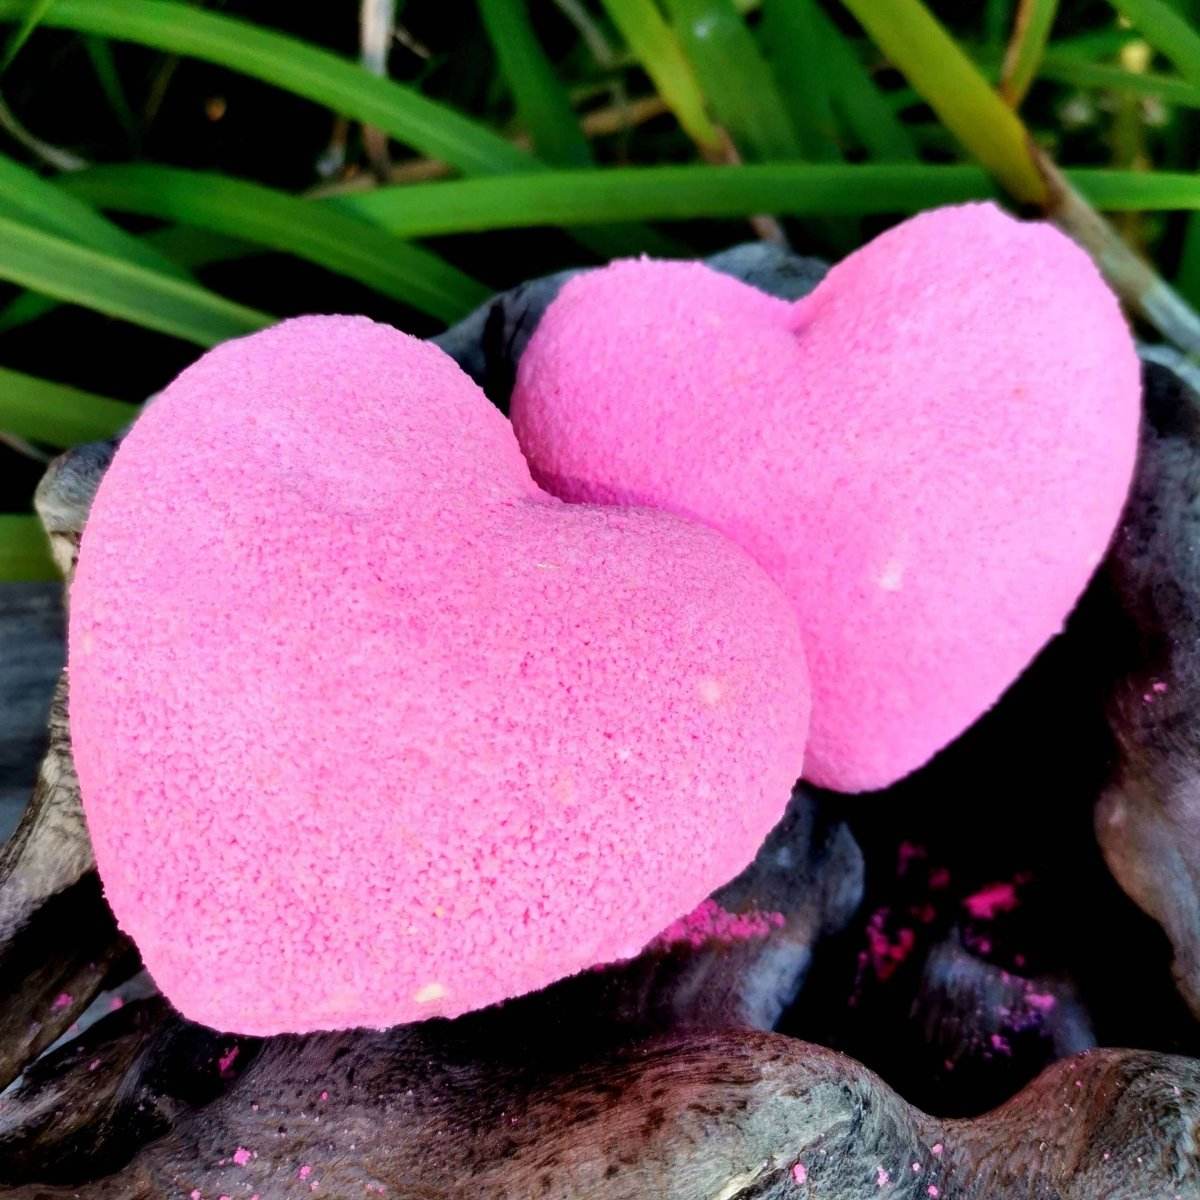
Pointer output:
x,y
735,78
432,129
997,16
656,47
101,55
20,35
320,233
1138,191
859,103
50,207
542,102
794,44
701,191
185,245
56,414
953,87
1100,77
119,288
24,550
544,108
1167,31
665,193
1031,32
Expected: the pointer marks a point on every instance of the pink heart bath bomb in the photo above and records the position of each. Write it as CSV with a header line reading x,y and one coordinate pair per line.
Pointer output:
x,y
929,453
370,729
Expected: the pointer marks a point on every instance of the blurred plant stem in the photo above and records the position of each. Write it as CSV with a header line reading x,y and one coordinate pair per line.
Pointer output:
x,y
952,85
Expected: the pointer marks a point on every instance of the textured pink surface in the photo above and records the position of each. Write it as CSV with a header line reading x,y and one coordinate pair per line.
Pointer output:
x,y
929,453
370,729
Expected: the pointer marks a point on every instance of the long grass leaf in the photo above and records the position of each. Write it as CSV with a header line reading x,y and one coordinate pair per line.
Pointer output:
x,y
56,414
952,85
20,35
119,288
794,42
1031,32
319,233
186,246
858,102
665,193
542,102
656,47
700,191
735,78
51,207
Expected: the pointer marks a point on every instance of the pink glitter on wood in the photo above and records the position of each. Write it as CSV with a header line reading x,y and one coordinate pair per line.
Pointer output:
x,y
227,1059
992,900
62,1000
887,952
882,1178
799,1172
709,922
242,1156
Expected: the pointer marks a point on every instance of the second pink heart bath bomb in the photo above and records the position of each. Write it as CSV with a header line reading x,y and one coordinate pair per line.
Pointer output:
x,y
929,453
370,729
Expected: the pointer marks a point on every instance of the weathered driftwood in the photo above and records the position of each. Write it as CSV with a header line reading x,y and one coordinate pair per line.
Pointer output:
x,y
659,1077
1148,820
31,651
528,1100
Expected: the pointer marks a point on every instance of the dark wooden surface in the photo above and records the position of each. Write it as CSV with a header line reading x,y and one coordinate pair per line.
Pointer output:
x,y
31,656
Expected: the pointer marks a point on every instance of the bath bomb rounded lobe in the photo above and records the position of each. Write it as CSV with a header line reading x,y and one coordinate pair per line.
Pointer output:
x,y
929,453
370,729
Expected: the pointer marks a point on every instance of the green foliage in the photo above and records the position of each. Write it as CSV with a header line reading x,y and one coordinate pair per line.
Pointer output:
x,y
564,129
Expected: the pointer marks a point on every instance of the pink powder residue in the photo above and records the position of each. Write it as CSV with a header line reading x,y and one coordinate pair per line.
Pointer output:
x,y
1000,1044
1158,687
227,1059
324,1095
709,922
988,902
799,1172
1042,1001
916,1168
195,1194
933,1190
882,1178
115,1003
305,1171
242,1156
936,1149
93,1064
62,1000
884,951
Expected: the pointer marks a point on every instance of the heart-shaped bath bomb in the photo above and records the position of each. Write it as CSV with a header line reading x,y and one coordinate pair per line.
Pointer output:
x,y
369,728
929,453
